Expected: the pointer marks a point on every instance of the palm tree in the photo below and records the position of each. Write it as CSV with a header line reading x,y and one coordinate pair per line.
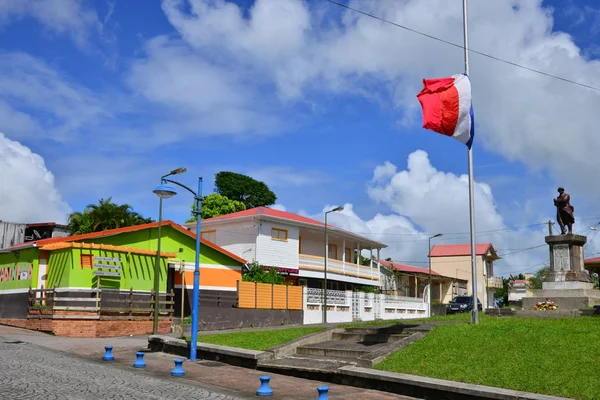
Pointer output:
x,y
104,215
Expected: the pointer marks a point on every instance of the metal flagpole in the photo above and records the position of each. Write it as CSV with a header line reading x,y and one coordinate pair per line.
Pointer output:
x,y
474,311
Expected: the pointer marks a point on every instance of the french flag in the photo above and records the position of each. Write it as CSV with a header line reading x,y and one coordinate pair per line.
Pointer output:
x,y
447,108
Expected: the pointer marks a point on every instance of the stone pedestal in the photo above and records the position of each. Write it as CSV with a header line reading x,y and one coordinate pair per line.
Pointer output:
x,y
567,284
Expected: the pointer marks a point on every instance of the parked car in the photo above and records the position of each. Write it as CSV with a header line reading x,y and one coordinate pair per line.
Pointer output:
x,y
462,304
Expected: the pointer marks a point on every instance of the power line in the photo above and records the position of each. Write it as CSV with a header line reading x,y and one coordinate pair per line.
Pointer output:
x,y
514,64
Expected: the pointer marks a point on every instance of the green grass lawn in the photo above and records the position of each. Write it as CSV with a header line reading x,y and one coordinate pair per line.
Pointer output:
x,y
256,340
460,317
549,356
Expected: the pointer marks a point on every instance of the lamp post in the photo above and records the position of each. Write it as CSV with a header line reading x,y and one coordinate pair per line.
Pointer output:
x,y
340,208
434,236
166,191
157,263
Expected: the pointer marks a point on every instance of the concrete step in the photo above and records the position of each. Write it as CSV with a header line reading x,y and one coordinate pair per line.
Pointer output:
x,y
370,337
339,348
307,363
389,330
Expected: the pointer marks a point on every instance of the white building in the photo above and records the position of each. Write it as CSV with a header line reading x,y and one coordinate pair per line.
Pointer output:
x,y
296,245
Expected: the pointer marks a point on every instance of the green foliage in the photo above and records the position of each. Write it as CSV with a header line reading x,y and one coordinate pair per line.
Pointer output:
x,y
364,260
513,352
260,274
535,282
257,340
243,188
215,204
367,289
103,216
501,295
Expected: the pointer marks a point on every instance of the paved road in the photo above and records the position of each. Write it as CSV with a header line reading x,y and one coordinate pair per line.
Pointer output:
x,y
29,371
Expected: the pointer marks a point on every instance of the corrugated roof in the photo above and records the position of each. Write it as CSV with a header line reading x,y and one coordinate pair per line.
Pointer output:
x,y
452,250
406,268
135,228
284,215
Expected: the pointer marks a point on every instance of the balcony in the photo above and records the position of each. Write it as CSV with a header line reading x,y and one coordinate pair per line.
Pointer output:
x,y
315,263
494,282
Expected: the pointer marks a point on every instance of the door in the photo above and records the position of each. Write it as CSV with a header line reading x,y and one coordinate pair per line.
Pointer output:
x,y
42,275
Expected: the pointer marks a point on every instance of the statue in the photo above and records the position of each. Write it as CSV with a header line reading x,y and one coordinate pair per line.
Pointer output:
x,y
564,211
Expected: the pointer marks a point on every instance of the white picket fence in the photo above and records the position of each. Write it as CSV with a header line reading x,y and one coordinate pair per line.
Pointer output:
x,y
348,306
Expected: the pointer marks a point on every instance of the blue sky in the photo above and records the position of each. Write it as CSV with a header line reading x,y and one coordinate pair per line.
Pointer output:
x,y
311,98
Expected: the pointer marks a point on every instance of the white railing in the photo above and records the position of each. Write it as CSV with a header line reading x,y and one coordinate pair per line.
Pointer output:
x,y
347,306
338,267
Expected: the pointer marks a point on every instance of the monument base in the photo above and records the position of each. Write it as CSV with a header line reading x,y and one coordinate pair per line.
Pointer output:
x,y
565,299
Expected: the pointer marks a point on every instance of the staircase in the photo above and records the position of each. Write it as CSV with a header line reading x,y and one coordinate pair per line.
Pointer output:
x,y
361,347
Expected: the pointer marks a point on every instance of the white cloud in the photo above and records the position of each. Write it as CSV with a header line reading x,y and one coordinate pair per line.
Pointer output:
x,y
282,176
40,90
306,54
70,17
425,201
279,207
27,189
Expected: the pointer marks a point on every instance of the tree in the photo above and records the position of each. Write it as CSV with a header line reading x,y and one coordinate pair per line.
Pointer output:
x,y
535,282
215,204
260,274
243,188
103,216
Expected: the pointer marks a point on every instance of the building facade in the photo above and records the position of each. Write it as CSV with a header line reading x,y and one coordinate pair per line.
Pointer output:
x,y
454,260
295,245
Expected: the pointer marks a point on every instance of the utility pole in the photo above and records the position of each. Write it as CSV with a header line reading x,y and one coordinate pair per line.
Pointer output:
x,y
550,223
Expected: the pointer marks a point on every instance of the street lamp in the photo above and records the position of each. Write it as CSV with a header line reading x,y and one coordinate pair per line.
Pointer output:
x,y
340,208
434,236
163,190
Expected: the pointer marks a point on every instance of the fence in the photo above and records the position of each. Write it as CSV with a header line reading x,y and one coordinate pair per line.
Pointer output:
x,y
268,296
98,304
347,306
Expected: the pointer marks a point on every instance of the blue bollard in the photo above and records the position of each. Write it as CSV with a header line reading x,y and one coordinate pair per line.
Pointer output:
x,y
323,392
139,363
108,356
264,389
178,370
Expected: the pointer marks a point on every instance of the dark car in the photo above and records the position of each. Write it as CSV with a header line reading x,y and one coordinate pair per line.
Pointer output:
x,y
462,304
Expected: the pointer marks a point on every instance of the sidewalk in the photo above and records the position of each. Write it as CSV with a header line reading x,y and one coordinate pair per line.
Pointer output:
x,y
243,381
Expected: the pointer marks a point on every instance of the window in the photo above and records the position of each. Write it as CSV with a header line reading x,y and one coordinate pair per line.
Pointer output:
x,y
86,261
332,251
279,234
299,244
211,236
348,254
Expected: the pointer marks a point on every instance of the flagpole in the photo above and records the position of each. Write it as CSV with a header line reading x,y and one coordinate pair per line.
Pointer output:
x,y
474,311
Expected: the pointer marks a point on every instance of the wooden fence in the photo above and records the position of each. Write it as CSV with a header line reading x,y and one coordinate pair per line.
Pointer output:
x,y
98,304
269,296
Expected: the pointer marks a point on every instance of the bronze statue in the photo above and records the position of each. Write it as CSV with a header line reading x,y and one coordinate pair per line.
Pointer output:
x,y
564,211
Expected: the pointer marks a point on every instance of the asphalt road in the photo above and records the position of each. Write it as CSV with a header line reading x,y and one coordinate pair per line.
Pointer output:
x,y
28,371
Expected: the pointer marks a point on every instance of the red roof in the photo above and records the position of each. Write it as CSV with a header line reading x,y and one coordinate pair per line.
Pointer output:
x,y
518,281
135,228
452,250
406,268
593,260
270,212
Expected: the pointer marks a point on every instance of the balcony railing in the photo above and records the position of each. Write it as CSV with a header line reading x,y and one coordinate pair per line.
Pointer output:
x,y
494,282
338,267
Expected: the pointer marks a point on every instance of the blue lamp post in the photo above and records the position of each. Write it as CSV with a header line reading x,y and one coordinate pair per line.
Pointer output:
x,y
165,191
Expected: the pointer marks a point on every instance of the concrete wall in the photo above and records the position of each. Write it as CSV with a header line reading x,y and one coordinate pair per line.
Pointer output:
x,y
14,305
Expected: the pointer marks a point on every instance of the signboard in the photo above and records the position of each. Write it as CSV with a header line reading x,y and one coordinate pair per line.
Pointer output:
x,y
106,273
108,266
112,259
562,258
282,270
